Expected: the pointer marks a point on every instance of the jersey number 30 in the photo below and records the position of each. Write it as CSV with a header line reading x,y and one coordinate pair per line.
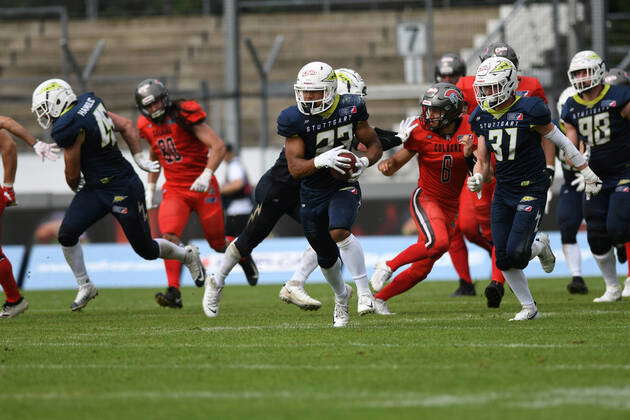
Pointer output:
x,y
497,137
105,126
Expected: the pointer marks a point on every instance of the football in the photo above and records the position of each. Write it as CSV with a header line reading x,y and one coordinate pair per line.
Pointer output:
x,y
346,175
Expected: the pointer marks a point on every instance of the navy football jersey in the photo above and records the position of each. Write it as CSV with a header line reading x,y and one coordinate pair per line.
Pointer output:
x,y
600,125
516,146
101,160
323,132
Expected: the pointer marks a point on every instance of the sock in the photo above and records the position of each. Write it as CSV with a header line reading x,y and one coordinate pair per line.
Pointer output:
x,y
410,255
74,258
352,256
308,264
173,272
231,257
537,248
7,280
496,275
170,251
333,277
518,283
459,257
628,254
573,257
608,267
407,279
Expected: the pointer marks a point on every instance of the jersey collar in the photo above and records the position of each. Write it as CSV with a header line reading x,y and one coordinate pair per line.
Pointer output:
x,y
590,104
326,114
498,114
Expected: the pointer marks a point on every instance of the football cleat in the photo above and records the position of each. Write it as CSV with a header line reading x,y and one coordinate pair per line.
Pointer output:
x,y
494,294
612,294
528,313
195,266
295,294
381,275
381,308
626,288
86,293
10,310
577,286
365,304
211,298
464,289
250,269
546,257
341,314
171,299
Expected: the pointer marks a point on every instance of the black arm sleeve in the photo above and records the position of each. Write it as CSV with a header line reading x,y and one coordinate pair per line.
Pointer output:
x,y
470,161
387,138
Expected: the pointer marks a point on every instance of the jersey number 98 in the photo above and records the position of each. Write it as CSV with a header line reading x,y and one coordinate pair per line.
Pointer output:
x,y
595,128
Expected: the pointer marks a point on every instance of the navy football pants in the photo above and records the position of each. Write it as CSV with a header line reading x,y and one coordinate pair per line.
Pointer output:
x,y
569,213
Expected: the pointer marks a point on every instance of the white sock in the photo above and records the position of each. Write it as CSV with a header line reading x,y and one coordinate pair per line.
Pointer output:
x,y
74,258
352,256
333,277
518,283
608,267
308,264
537,248
573,257
231,257
171,251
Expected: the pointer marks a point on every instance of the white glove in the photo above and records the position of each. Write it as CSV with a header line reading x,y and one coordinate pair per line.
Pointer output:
x,y
592,183
548,202
475,182
146,164
579,182
202,183
405,128
149,195
360,166
46,150
331,159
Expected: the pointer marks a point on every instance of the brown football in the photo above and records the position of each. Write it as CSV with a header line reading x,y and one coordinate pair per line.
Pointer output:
x,y
348,172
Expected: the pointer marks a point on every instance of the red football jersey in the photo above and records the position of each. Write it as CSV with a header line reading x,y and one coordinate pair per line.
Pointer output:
x,y
441,162
527,86
182,155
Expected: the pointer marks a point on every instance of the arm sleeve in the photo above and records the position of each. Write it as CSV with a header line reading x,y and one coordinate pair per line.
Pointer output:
x,y
190,113
563,143
388,139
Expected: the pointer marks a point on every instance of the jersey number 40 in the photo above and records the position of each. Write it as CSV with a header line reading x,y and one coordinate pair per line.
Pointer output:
x,y
105,126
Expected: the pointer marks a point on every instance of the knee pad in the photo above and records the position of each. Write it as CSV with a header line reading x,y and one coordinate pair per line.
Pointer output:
x,y
599,241
67,237
148,251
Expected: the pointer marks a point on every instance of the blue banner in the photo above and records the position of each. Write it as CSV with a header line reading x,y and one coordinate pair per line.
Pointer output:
x,y
116,265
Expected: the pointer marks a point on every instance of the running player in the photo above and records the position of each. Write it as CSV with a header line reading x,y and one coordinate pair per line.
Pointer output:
x,y
511,126
14,303
598,115
190,152
104,182
442,142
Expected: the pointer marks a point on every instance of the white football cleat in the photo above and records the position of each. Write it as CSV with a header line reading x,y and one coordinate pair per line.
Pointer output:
x,y
626,288
341,314
365,304
194,265
211,297
295,294
528,313
612,294
381,275
10,310
86,293
381,308
546,257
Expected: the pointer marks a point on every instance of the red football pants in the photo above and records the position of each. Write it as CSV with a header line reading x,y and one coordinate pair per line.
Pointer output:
x,y
436,225
174,212
7,281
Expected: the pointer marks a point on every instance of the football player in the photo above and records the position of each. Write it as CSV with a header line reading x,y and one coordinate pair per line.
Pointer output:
x,y
277,194
104,181
15,303
450,68
442,143
510,127
190,152
598,115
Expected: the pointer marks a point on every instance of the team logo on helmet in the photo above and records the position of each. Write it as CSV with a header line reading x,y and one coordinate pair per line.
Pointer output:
x,y
503,65
453,95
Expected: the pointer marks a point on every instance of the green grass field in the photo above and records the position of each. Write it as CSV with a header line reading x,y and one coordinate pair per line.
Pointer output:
x,y
124,357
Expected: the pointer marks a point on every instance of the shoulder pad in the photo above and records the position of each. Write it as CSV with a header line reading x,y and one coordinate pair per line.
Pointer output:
x,y
190,113
288,121
66,130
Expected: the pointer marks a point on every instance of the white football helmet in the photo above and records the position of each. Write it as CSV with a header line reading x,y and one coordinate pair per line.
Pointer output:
x,y
594,66
350,82
495,82
50,99
566,94
315,77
